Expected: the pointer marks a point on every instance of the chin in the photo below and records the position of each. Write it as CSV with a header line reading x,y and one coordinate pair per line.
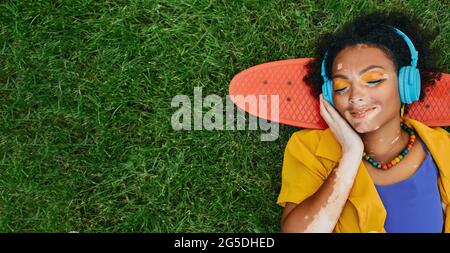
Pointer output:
x,y
365,129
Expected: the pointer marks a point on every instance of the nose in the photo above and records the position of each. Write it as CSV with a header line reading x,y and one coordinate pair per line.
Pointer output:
x,y
357,95
356,100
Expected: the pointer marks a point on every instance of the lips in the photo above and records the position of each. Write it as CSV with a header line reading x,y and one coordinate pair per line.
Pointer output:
x,y
361,112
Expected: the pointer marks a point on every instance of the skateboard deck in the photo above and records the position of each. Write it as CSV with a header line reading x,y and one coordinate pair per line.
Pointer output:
x,y
257,89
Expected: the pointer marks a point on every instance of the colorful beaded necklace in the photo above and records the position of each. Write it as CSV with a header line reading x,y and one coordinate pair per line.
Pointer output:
x,y
405,151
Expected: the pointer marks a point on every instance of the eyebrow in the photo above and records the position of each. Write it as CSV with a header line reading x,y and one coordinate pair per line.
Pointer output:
x,y
360,72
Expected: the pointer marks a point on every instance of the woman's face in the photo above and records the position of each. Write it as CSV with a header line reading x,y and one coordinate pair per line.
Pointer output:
x,y
365,89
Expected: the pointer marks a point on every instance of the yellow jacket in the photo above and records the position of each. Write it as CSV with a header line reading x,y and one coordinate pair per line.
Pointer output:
x,y
311,155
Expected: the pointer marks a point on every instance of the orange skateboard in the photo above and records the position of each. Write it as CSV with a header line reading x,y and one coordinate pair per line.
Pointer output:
x,y
297,107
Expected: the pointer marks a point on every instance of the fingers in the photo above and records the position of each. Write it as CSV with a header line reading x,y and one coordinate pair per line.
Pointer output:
x,y
327,116
323,110
326,107
332,112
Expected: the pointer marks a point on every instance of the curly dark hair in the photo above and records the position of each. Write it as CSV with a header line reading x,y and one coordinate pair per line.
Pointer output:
x,y
375,29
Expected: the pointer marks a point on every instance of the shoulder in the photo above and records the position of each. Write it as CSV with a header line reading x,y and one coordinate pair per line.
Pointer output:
x,y
441,131
308,137
437,140
316,149
304,143
433,132
319,142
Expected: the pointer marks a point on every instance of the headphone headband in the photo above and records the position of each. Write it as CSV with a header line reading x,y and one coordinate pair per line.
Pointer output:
x,y
412,50
324,75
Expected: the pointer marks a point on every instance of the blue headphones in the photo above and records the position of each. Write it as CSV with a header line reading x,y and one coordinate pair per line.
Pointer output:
x,y
408,76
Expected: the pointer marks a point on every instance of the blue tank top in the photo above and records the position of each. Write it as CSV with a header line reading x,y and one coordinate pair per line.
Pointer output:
x,y
414,204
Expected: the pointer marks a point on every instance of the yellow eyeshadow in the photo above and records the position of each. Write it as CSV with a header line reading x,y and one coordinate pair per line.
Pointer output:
x,y
340,83
372,76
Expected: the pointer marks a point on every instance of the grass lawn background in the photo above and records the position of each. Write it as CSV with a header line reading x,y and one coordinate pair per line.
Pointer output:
x,y
86,142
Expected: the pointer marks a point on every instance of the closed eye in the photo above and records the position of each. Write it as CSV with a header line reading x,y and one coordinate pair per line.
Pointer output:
x,y
340,91
373,83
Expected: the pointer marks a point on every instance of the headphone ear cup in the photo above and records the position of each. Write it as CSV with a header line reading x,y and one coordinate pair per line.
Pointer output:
x,y
402,86
416,83
327,88
409,84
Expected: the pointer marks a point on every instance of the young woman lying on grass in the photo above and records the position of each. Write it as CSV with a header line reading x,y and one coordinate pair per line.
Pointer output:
x,y
372,170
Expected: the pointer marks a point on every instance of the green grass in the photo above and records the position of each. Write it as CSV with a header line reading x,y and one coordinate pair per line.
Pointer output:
x,y
85,88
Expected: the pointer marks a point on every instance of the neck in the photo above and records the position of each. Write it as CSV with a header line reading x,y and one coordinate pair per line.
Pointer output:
x,y
385,143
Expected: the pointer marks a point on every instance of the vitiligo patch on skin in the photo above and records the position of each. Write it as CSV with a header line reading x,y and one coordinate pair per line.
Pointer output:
x,y
364,125
361,46
396,139
370,153
374,75
328,213
359,103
